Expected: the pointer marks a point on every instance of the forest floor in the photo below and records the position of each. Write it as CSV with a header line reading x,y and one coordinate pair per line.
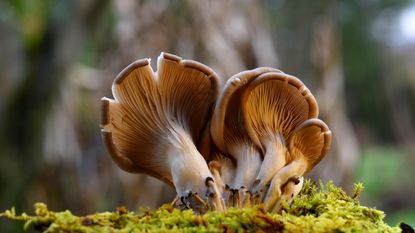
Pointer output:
x,y
318,208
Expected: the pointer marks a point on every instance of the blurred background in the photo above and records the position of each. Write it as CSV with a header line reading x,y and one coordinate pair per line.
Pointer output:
x,y
58,58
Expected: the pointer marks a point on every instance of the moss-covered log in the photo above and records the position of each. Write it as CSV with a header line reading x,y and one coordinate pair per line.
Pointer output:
x,y
317,208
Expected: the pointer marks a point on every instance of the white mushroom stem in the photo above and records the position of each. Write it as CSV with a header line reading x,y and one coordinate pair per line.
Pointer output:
x,y
244,197
228,171
247,200
216,198
295,169
223,170
248,164
289,192
274,159
188,167
218,187
215,167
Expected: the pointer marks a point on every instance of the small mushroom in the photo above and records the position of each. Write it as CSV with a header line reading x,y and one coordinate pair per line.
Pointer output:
x,y
289,191
157,119
273,105
228,131
307,146
223,168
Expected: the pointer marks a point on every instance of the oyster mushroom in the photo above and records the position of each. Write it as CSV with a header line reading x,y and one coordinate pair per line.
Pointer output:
x,y
273,105
228,131
156,121
307,146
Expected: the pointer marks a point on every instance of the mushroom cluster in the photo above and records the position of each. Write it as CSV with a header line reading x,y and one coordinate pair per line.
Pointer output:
x,y
250,143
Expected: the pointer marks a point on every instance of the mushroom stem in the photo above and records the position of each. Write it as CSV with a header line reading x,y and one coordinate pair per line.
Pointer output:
x,y
188,167
274,160
191,176
290,190
215,167
248,165
217,200
195,202
233,198
295,169
244,197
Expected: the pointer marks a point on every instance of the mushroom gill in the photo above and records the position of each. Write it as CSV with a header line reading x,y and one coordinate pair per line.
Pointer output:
x,y
228,130
310,141
158,118
274,104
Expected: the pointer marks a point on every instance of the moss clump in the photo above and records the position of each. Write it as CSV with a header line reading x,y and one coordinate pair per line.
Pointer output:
x,y
315,209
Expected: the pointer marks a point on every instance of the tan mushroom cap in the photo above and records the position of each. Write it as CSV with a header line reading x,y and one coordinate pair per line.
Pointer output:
x,y
310,142
276,103
150,107
227,124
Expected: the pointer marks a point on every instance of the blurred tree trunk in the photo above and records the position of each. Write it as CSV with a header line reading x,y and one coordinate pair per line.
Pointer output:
x,y
400,96
326,58
248,45
45,66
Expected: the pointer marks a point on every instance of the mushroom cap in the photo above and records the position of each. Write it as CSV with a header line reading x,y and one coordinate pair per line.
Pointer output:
x,y
149,108
274,104
227,124
310,142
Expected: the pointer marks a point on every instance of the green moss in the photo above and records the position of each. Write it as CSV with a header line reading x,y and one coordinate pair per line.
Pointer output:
x,y
318,208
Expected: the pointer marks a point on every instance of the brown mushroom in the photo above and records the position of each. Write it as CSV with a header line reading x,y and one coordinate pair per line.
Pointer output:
x,y
158,118
228,131
307,145
273,105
